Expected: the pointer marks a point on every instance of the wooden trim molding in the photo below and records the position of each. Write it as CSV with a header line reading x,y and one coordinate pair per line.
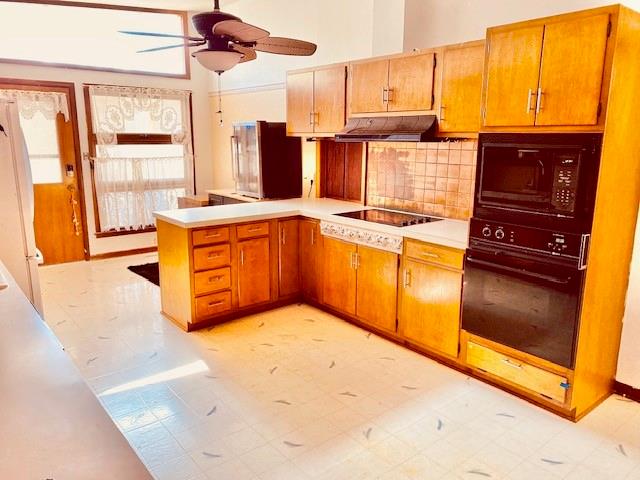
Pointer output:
x,y
185,27
123,253
626,391
117,233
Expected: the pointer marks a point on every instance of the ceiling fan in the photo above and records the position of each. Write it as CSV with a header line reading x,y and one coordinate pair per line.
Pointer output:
x,y
229,41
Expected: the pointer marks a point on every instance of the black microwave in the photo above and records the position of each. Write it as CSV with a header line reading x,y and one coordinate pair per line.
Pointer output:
x,y
548,177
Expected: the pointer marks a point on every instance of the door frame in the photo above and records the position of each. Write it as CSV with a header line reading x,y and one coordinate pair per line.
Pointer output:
x,y
67,88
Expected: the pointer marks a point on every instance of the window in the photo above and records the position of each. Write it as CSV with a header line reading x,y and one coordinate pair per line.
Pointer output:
x,y
88,37
142,154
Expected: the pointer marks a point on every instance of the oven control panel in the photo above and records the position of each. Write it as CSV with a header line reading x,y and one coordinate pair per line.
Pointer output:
x,y
565,183
548,241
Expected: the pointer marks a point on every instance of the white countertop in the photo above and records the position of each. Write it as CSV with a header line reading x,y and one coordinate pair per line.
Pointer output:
x,y
52,424
450,233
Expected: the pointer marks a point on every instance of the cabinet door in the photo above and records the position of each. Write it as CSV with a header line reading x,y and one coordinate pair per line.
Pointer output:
x,y
300,102
571,71
461,88
377,290
288,272
513,67
339,289
329,99
411,83
367,84
310,243
430,306
254,284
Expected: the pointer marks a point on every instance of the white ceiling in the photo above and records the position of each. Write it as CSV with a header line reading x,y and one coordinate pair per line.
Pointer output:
x,y
190,5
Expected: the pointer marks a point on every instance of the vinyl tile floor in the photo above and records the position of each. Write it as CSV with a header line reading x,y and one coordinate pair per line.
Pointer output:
x,y
296,393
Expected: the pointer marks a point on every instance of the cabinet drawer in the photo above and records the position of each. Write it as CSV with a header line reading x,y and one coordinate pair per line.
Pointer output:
x,y
252,230
213,304
212,280
516,371
448,257
206,258
210,235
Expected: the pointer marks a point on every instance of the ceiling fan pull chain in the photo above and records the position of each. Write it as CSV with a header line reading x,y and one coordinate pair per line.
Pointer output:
x,y
219,112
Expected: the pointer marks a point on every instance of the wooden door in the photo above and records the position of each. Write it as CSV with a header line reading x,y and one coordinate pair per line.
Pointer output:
x,y
571,71
300,102
254,284
310,262
512,70
329,99
461,88
377,289
429,313
368,81
339,275
411,83
341,170
288,254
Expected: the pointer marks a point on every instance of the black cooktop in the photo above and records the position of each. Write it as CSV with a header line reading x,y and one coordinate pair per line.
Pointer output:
x,y
397,219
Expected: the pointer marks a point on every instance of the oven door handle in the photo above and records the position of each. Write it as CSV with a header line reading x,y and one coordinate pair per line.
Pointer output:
x,y
504,268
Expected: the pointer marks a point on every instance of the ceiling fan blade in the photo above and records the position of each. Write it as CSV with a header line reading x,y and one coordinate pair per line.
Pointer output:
x,y
240,31
285,46
248,52
161,35
171,46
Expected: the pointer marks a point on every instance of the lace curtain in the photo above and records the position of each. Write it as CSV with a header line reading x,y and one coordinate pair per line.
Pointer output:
x,y
31,102
131,183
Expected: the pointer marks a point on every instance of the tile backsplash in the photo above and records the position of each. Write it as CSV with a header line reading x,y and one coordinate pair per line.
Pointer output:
x,y
435,178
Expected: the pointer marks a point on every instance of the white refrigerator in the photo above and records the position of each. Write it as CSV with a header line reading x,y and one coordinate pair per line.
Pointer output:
x,y
18,250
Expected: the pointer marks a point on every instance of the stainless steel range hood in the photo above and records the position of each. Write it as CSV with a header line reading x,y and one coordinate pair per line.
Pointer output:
x,y
418,128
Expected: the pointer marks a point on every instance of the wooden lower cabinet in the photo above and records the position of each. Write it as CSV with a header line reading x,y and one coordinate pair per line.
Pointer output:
x,y
288,255
254,276
339,288
429,306
310,260
377,288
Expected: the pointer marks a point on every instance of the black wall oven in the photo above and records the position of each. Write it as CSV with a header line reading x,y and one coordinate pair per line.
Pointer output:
x,y
538,179
528,241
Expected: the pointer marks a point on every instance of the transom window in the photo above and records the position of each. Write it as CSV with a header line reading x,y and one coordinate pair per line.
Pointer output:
x,y
88,37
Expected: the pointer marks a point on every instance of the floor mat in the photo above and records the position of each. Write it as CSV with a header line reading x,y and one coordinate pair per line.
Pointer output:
x,y
150,271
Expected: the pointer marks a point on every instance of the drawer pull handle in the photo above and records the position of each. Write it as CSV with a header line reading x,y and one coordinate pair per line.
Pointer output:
x,y
212,235
215,278
255,229
506,361
216,304
429,254
213,255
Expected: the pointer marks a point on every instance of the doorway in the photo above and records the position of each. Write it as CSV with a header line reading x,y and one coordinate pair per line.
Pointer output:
x,y
54,154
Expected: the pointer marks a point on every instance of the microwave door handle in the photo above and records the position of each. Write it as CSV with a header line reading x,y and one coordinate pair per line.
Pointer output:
x,y
504,268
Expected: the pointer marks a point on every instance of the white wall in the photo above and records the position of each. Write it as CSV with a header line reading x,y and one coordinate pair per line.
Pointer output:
x,y
440,22
198,84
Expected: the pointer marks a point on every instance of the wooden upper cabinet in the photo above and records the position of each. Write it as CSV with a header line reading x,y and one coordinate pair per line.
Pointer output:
x,y
573,58
288,256
299,102
512,71
341,170
339,275
310,241
316,100
377,290
329,97
429,314
254,275
461,88
411,83
368,84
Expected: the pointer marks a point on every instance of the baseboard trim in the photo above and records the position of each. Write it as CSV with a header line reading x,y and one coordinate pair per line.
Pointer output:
x,y
626,391
123,253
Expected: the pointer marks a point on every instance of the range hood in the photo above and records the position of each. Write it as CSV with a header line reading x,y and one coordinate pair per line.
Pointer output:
x,y
418,128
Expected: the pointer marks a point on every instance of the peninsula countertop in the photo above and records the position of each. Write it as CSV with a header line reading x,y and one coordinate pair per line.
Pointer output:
x,y
448,232
52,424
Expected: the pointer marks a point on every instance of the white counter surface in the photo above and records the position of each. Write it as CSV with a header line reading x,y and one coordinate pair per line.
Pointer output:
x,y
52,424
451,233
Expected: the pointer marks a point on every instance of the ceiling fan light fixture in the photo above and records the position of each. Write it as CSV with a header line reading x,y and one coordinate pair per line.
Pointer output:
x,y
217,60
